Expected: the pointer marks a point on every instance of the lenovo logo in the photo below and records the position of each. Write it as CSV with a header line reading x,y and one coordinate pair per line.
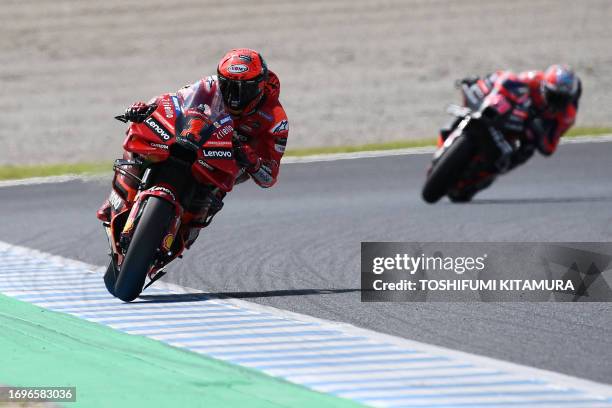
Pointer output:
x,y
156,127
218,153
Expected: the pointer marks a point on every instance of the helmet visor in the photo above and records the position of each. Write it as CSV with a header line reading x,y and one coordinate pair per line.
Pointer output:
x,y
238,94
557,100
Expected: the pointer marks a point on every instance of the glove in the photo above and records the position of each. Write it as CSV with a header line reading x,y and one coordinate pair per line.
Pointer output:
x,y
468,80
246,157
138,112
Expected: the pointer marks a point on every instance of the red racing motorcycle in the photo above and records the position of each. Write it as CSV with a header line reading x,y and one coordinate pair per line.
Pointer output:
x,y
476,151
169,185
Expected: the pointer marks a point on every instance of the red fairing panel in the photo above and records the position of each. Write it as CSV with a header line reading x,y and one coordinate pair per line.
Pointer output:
x,y
153,138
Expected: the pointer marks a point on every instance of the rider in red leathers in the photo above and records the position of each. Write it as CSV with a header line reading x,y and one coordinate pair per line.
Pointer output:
x,y
540,106
250,93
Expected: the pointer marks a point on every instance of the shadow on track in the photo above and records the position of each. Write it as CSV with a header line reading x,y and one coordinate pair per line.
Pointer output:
x,y
193,297
542,200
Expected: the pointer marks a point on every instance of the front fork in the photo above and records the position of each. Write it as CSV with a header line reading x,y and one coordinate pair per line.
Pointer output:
x,y
168,251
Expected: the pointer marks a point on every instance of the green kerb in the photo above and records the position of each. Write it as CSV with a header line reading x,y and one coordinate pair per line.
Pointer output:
x,y
109,368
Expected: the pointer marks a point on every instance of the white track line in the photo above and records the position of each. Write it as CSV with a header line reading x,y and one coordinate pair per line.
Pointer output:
x,y
293,160
336,358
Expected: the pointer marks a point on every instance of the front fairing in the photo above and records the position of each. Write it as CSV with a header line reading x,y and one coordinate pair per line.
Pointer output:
x,y
153,139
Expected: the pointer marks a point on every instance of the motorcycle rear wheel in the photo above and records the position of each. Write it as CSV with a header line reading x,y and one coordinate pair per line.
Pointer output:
x,y
147,238
447,170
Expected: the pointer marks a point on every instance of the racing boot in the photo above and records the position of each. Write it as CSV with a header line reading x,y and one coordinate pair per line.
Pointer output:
x,y
104,212
205,204
126,179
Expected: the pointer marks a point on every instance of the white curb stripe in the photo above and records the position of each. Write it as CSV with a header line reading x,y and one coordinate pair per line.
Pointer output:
x,y
336,358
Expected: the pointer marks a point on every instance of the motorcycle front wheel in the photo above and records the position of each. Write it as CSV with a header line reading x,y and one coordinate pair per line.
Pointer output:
x,y
447,170
147,238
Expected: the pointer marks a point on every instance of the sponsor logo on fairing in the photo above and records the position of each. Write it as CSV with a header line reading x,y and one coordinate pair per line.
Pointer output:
x,y
115,200
169,111
164,190
281,126
224,120
237,69
159,145
175,101
245,58
219,143
157,128
218,153
224,131
205,165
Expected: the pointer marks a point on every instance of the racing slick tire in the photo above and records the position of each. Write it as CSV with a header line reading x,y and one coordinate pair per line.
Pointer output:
x,y
447,170
147,238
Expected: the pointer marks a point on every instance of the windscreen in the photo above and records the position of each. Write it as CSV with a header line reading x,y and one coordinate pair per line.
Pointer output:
x,y
204,97
202,93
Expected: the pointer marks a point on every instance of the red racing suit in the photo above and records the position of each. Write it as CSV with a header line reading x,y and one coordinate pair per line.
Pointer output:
x,y
519,96
264,129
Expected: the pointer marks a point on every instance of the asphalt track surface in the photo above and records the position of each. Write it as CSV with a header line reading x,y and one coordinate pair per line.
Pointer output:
x,y
297,245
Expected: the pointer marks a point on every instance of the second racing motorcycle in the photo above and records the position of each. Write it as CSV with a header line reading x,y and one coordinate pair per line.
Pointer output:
x,y
476,151
169,184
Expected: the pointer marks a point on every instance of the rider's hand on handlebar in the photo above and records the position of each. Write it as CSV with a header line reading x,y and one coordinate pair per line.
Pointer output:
x,y
137,112
469,81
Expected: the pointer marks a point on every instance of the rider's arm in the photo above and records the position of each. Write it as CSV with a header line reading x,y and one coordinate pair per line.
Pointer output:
x,y
550,130
262,160
271,149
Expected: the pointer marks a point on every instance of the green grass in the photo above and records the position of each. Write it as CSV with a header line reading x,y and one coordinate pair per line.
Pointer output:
x,y
11,172
588,131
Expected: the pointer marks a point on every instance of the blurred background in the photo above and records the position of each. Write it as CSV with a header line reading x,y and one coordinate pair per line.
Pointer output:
x,y
351,71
